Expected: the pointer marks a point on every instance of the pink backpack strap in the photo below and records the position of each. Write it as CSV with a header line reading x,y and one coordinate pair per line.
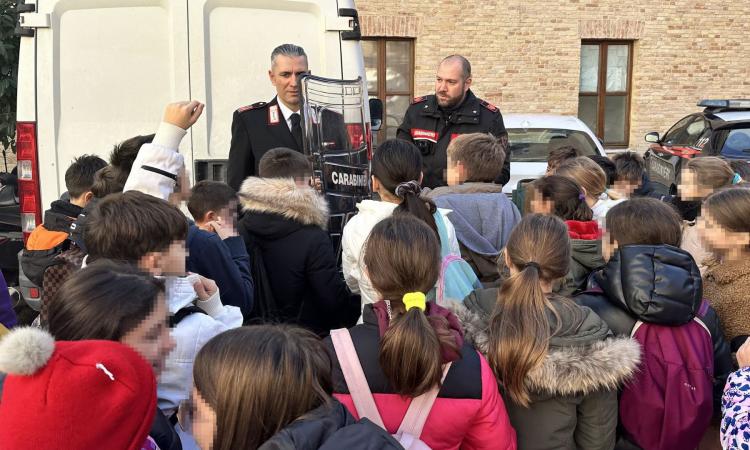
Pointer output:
x,y
419,409
355,376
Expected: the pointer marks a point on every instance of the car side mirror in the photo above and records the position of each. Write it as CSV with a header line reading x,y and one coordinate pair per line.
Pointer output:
x,y
376,114
653,137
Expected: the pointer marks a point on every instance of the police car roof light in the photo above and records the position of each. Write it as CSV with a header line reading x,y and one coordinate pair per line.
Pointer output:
x,y
728,104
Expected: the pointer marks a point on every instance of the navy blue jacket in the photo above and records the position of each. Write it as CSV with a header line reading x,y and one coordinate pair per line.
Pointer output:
x,y
226,262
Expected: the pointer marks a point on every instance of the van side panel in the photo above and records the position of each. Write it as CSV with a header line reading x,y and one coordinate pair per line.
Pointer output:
x,y
105,71
230,48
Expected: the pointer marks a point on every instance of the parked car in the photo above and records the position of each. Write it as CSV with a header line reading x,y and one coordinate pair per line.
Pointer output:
x,y
721,129
532,136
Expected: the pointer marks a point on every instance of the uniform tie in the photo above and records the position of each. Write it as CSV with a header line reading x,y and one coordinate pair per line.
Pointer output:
x,y
297,130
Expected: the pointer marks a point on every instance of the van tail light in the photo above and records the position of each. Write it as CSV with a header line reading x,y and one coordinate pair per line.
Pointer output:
x,y
28,177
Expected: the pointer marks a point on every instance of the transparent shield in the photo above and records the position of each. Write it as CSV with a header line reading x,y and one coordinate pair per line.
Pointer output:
x,y
337,137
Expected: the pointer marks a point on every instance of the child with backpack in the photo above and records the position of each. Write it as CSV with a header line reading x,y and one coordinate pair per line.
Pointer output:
x,y
148,232
562,197
481,214
396,178
593,181
409,352
700,178
116,302
280,396
651,289
557,364
215,248
285,221
724,227
83,394
52,237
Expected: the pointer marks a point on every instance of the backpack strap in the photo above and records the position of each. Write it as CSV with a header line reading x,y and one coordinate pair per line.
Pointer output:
x,y
364,403
419,409
182,313
441,280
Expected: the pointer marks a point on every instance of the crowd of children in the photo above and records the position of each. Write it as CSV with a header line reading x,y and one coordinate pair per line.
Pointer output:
x,y
599,315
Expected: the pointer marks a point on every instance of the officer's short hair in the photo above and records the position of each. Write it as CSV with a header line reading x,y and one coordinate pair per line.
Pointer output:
x,y
284,162
465,64
289,50
480,153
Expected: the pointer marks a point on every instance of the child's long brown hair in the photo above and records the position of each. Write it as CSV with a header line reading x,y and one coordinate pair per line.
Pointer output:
x,y
402,255
260,379
520,329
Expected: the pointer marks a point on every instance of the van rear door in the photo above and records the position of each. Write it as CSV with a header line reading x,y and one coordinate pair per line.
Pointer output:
x,y
104,71
230,48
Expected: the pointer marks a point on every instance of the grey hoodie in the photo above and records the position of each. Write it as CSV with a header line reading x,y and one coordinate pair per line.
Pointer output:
x,y
483,218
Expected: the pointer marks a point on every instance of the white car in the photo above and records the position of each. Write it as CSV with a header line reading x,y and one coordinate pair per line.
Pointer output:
x,y
532,136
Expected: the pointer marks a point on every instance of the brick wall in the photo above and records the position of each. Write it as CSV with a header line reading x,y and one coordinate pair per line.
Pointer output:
x,y
526,55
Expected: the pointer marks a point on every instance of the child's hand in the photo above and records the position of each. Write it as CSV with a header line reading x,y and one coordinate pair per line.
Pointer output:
x,y
743,355
183,114
205,288
224,228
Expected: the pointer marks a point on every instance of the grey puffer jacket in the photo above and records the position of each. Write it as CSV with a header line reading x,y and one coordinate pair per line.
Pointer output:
x,y
574,391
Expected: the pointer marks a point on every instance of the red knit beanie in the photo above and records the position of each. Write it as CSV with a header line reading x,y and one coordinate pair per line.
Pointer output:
x,y
82,394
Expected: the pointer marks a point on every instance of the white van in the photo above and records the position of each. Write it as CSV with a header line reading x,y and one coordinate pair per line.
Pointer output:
x,y
95,72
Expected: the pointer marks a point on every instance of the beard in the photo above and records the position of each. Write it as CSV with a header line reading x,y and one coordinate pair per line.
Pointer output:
x,y
450,102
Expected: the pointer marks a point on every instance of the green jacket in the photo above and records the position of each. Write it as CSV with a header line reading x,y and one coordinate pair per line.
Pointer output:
x,y
574,391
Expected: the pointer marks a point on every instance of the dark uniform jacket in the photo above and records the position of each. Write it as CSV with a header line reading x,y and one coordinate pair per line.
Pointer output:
x,y
431,129
261,127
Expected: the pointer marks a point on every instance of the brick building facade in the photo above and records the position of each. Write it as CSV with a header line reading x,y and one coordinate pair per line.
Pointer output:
x,y
526,56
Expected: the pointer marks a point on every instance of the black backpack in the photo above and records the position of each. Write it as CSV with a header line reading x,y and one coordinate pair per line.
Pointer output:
x,y
265,308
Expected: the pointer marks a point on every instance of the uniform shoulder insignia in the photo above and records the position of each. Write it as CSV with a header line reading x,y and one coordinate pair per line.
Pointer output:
x,y
253,106
416,100
488,105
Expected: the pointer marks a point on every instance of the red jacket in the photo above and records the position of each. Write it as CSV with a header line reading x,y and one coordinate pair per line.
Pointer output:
x,y
469,412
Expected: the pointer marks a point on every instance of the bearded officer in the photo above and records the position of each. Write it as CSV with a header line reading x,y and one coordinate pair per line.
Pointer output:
x,y
433,121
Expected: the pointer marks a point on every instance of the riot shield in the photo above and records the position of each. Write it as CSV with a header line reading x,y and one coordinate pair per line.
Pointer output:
x,y
336,135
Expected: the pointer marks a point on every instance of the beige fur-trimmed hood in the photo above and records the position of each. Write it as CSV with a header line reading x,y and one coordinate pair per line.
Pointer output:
x,y
567,370
282,196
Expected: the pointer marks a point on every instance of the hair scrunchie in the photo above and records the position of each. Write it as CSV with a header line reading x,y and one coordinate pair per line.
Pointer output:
x,y
415,300
737,178
408,187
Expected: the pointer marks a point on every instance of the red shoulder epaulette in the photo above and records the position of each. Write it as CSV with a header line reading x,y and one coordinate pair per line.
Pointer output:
x,y
253,106
416,100
488,105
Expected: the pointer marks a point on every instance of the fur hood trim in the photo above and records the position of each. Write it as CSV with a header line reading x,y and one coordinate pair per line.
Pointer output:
x,y
602,365
282,196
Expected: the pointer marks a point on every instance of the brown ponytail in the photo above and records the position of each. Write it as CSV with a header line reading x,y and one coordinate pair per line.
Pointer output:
x,y
402,255
520,329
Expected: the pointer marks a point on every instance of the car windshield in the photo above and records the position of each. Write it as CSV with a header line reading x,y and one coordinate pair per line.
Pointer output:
x,y
737,144
534,145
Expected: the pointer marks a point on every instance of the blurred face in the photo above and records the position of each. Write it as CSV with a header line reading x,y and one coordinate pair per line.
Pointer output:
x,y
450,85
203,422
609,247
720,240
455,173
283,75
690,189
539,205
151,337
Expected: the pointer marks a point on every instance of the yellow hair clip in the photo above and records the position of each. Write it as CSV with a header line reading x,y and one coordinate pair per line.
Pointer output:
x,y
415,300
